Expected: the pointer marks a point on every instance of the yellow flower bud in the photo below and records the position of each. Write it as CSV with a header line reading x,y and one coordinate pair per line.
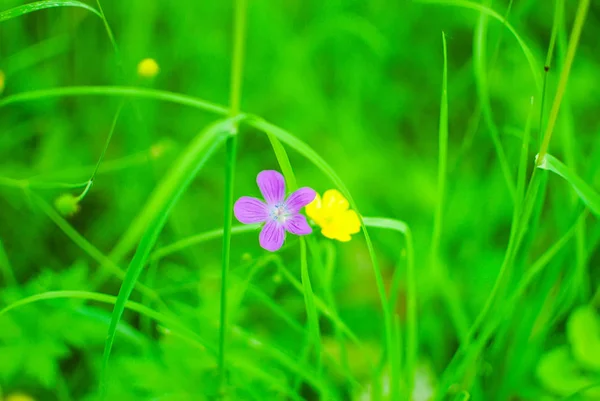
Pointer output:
x,y
67,205
148,68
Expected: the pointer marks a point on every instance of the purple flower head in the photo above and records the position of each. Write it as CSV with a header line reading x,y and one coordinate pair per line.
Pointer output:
x,y
278,213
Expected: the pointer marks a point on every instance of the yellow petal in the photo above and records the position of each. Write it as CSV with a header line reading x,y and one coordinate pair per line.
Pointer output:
x,y
334,201
314,210
351,222
341,225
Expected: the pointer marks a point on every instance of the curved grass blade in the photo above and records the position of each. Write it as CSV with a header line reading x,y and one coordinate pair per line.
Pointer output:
x,y
578,24
177,246
586,193
42,5
320,163
167,321
481,79
169,191
309,296
124,91
533,65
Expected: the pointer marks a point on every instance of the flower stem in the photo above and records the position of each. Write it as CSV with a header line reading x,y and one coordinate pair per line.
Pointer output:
x,y
564,76
230,149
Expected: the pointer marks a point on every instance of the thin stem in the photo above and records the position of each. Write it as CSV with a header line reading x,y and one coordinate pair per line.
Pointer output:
x,y
110,134
442,159
239,28
110,35
564,76
558,9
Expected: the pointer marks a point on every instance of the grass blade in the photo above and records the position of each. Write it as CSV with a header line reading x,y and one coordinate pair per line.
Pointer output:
x,y
564,75
442,160
239,31
311,310
481,78
124,91
412,341
42,5
533,65
170,190
180,245
109,299
586,193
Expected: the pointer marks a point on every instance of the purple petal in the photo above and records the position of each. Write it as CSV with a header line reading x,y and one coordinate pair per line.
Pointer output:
x,y
298,225
272,186
300,198
250,210
272,236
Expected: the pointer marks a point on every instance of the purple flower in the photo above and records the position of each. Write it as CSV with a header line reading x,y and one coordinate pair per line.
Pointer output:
x,y
278,213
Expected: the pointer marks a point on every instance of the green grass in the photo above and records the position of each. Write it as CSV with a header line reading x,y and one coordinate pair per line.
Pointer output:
x,y
124,274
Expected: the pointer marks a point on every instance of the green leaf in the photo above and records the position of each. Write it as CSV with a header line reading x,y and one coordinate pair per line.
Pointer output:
x,y
166,195
560,373
41,5
583,331
585,192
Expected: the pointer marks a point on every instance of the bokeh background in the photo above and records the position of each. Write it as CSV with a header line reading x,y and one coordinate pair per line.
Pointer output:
x,y
360,82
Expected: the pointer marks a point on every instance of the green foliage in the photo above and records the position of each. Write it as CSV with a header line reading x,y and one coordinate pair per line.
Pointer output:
x,y
467,285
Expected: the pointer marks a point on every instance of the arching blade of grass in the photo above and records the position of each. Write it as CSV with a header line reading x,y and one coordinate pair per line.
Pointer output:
x,y
481,78
580,287
309,297
319,162
533,64
109,32
442,161
124,91
42,5
167,321
582,10
412,341
198,239
447,287
586,193
525,206
168,192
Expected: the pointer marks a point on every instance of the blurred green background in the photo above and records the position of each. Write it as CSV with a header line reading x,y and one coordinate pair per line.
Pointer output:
x,y
359,82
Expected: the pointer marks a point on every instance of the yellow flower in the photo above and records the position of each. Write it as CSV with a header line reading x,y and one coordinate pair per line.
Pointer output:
x,y
147,68
333,215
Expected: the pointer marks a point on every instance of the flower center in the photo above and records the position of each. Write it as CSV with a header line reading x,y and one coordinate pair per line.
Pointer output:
x,y
280,213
